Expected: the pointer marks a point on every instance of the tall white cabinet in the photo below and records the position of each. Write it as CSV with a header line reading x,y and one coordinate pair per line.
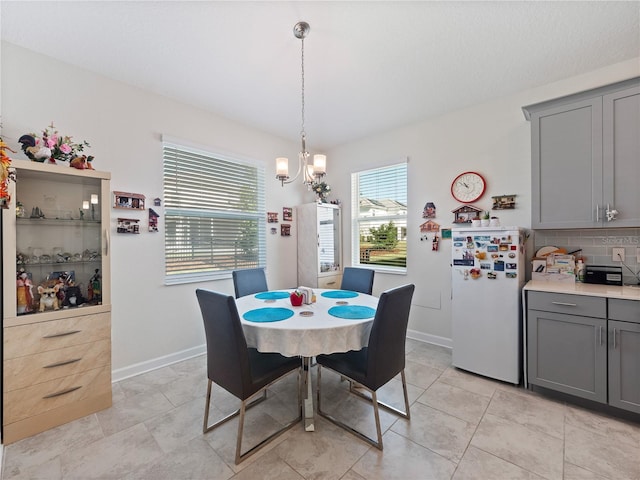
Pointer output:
x,y
56,353
319,245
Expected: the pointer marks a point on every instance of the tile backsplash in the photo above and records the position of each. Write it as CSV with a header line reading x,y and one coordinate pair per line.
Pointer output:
x,y
597,246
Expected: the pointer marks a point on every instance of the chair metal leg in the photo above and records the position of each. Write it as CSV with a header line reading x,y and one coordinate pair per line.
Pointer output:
x,y
245,405
335,421
406,414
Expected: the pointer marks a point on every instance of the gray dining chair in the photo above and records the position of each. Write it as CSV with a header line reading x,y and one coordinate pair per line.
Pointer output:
x,y
248,281
376,364
244,372
357,280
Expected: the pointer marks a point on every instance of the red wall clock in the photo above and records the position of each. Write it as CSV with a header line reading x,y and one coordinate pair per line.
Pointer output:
x,y
468,187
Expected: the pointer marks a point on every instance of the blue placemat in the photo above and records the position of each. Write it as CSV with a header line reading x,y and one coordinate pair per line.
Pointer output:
x,y
267,314
352,312
339,294
272,295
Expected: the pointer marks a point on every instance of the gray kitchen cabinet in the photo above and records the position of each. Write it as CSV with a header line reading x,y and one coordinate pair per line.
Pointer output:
x,y
567,353
584,151
624,354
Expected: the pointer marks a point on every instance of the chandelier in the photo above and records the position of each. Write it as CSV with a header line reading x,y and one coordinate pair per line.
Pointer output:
x,y
311,172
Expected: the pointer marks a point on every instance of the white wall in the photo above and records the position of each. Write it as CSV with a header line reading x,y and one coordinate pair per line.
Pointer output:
x,y
492,139
151,323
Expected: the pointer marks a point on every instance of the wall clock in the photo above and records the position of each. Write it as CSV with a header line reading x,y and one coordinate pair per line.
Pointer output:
x,y
468,187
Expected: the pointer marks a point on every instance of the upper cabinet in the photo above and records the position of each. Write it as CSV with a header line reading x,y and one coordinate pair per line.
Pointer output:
x,y
584,151
319,245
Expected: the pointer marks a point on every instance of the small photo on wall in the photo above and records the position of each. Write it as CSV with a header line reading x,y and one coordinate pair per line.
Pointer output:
x,y
272,217
287,214
285,230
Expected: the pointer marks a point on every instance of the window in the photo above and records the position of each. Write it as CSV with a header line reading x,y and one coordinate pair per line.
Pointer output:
x,y
379,217
214,214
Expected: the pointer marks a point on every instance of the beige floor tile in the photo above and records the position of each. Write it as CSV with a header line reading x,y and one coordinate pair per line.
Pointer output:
x,y
573,472
521,446
147,381
479,465
529,410
469,381
132,411
351,475
601,454
613,428
112,457
438,431
420,375
455,401
49,470
438,358
402,459
326,453
194,460
269,467
177,427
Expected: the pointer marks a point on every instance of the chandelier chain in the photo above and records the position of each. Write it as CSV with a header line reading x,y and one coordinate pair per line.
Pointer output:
x,y
302,132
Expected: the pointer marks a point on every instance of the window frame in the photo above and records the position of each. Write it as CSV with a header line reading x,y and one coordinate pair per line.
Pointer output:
x,y
356,219
171,210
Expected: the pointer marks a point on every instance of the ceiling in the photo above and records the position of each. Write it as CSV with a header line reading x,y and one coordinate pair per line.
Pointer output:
x,y
369,66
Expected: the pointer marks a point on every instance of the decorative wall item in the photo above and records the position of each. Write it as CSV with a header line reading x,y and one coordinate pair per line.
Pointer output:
x,y
274,230
52,147
446,233
466,213
430,226
5,163
128,225
130,201
429,210
285,230
272,217
157,202
468,187
153,220
504,202
435,243
287,214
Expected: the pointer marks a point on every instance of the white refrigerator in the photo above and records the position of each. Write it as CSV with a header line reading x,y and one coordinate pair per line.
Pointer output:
x,y
487,278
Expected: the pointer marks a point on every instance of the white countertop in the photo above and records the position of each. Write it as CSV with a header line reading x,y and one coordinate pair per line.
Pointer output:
x,y
577,288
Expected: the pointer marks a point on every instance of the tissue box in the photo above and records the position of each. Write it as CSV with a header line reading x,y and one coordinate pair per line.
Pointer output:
x,y
307,295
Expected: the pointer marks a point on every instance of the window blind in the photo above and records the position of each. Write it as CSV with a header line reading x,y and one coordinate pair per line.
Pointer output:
x,y
379,217
214,215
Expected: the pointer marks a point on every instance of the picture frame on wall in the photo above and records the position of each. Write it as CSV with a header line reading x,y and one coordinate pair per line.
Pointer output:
x,y
287,214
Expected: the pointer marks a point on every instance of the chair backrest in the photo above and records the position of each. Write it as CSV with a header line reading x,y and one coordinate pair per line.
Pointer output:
x,y
386,349
227,353
358,279
246,282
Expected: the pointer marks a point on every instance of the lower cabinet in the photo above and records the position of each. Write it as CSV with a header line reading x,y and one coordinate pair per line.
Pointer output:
x,y
624,354
593,354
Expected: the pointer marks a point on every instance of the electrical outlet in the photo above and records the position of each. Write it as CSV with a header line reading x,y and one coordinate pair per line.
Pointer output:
x,y
617,254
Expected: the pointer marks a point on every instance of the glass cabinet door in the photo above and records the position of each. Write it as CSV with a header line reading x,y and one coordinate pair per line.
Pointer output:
x,y
61,245
329,238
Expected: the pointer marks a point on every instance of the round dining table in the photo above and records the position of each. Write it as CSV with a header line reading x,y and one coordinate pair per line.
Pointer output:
x,y
338,321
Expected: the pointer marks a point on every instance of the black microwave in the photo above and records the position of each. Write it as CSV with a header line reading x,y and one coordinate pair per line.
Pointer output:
x,y
603,275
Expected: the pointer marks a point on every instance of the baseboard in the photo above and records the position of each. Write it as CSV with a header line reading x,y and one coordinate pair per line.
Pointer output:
x,y
433,339
155,363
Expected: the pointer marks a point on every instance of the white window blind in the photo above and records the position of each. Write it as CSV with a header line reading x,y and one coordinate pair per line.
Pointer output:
x,y
214,215
379,217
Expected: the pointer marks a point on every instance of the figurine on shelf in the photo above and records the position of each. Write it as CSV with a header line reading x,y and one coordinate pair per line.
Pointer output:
x,y
94,290
24,288
49,297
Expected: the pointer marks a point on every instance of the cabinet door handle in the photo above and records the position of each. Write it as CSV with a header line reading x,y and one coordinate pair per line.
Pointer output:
x,y
614,338
331,283
62,363
63,334
565,304
600,335
597,213
106,241
62,392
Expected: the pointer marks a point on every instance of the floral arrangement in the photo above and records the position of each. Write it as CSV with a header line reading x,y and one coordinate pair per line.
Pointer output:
x,y
321,189
5,163
51,146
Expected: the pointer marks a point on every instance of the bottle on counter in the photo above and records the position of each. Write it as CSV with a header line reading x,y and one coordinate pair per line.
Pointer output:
x,y
580,270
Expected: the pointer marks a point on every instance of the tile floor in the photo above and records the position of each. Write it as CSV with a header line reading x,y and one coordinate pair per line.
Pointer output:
x,y
462,427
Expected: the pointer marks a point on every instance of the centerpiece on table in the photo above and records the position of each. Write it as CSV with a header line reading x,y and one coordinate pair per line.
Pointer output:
x,y
321,189
51,147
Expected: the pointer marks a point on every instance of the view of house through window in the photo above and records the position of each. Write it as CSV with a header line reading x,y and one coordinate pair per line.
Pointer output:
x,y
214,214
379,217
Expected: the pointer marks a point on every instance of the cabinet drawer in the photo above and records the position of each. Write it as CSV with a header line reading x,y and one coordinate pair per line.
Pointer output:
x,y
42,367
330,281
625,310
30,401
56,334
567,303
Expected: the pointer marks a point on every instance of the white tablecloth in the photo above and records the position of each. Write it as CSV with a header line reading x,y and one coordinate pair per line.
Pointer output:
x,y
307,336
